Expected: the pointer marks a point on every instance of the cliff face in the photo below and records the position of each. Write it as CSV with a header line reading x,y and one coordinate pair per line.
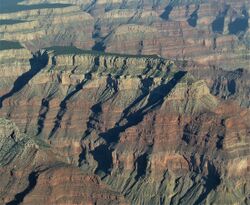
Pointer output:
x,y
201,36
207,33
134,124
124,102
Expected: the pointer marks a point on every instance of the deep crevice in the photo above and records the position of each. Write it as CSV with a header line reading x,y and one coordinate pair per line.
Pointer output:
x,y
63,106
42,115
238,25
96,110
212,180
192,20
43,112
141,166
78,87
37,63
103,156
21,195
145,89
167,11
219,143
186,134
218,23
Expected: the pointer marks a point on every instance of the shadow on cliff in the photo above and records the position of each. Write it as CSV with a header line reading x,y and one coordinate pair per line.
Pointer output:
x,y
109,92
218,23
63,104
240,24
145,89
20,196
37,63
212,181
192,20
156,98
167,11
44,109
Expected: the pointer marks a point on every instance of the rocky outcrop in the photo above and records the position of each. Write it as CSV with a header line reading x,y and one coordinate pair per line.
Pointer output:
x,y
228,85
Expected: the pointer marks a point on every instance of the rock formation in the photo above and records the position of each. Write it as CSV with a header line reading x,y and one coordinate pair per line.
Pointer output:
x,y
124,102
150,131
31,173
203,33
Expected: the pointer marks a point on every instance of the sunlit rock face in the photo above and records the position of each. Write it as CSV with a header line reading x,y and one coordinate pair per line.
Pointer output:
x,y
209,33
137,125
124,102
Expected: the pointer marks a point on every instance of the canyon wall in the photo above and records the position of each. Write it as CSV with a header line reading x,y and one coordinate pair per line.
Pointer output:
x,y
124,102
207,33
149,131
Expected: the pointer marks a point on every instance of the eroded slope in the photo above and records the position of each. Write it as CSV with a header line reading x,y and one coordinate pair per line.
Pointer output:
x,y
151,131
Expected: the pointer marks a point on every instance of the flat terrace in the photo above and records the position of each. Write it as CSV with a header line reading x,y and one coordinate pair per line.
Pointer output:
x,y
6,45
9,6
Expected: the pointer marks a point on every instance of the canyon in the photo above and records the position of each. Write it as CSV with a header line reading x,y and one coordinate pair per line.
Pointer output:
x,y
124,102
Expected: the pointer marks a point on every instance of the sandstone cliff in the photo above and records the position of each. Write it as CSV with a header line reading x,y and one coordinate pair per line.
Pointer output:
x,y
124,102
205,33
152,132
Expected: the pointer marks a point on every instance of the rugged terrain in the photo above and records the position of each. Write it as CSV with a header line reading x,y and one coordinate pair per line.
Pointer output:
x,y
149,130
124,102
203,32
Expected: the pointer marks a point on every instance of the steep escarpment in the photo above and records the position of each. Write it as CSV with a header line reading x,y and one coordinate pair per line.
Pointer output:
x,y
144,127
124,102
209,33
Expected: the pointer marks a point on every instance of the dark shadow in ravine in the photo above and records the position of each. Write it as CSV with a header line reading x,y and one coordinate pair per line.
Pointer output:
x,y
104,158
145,89
42,115
212,180
63,107
192,20
167,11
240,24
218,23
37,63
109,92
43,111
141,165
20,196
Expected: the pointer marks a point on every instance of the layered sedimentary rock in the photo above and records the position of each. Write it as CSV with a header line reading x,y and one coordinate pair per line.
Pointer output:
x,y
155,110
152,132
49,26
32,173
202,33
228,85
202,36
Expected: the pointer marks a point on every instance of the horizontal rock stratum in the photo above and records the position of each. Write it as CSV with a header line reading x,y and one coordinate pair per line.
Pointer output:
x,y
210,33
124,102
116,129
